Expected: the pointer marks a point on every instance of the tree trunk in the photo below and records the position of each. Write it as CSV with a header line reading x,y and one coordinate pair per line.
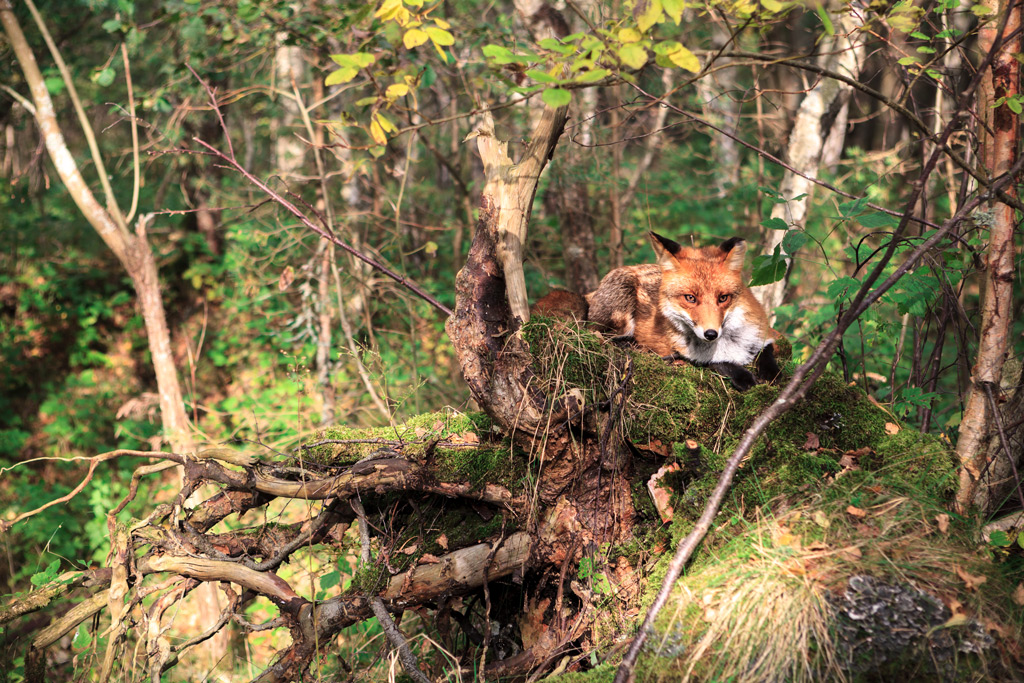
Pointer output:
x,y
999,153
819,108
135,254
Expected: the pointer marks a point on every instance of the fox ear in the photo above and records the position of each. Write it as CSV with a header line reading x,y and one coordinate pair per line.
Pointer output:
x,y
665,249
734,249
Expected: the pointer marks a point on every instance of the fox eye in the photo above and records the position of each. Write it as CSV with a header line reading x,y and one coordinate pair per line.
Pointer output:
x,y
690,298
722,298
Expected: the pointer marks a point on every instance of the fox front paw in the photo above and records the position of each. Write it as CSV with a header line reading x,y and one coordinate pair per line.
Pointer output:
x,y
741,378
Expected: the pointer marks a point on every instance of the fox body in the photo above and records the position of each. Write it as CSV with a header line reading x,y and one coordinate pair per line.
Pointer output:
x,y
691,304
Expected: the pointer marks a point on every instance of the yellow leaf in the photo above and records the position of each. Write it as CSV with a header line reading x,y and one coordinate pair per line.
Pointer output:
x,y
684,59
772,5
377,133
385,123
629,35
650,16
414,38
442,23
633,55
341,76
396,90
388,9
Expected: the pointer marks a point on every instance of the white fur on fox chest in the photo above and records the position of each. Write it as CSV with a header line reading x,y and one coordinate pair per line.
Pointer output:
x,y
738,341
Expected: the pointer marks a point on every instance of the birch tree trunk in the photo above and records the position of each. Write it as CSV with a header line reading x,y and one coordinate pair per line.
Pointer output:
x,y
820,106
999,151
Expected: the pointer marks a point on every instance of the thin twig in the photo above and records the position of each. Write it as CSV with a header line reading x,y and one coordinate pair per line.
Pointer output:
x,y
135,135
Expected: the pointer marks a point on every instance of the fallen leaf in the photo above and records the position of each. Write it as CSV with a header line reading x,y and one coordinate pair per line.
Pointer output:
x,y
943,522
971,580
813,443
442,541
856,512
1018,594
420,432
409,550
821,519
787,539
892,428
817,546
467,437
438,426
427,558
956,620
661,495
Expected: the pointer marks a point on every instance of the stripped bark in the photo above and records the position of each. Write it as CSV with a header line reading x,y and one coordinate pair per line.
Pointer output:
x,y
1000,151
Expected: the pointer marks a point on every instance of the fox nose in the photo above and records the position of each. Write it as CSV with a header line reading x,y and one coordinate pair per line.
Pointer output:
x,y
711,335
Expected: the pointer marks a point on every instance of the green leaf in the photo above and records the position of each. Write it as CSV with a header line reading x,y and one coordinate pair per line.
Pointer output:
x,y
47,575
111,25
592,76
541,76
82,638
826,20
633,55
775,224
54,85
852,208
1014,104
428,77
907,61
772,5
104,77
330,579
498,53
556,97
793,240
768,269
841,288
876,220
440,36
999,539
919,36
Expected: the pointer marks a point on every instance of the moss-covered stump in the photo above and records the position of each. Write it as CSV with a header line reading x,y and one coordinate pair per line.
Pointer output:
x,y
833,557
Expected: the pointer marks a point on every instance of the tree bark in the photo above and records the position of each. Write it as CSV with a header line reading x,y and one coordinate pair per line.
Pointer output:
x,y
999,153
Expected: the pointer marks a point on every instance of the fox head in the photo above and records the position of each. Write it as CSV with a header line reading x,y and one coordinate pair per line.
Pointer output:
x,y
699,286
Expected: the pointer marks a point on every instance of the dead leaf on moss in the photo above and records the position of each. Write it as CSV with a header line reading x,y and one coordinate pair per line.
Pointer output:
x,y
970,580
1018,594
856,512
465,437
427,558
817,546
438,426
943,522
420,432
813,443
442,541
892,428
821,519
409,550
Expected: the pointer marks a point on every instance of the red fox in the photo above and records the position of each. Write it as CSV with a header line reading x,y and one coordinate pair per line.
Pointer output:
x,y
693,305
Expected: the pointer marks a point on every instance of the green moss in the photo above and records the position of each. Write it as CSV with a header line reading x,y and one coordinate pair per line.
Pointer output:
x,y
499,464
409,439
603,673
